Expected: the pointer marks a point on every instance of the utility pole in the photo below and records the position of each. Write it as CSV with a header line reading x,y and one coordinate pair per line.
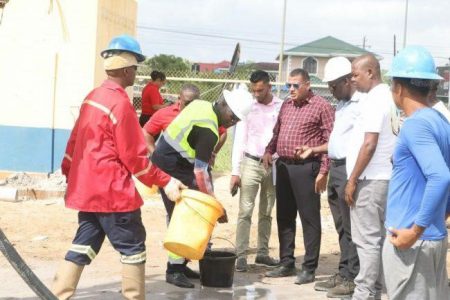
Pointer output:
x,y
280,60
364,42
405,24
395,45
448,86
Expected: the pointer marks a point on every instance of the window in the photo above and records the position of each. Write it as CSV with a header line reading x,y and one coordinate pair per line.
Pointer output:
x,y
310,65
195,68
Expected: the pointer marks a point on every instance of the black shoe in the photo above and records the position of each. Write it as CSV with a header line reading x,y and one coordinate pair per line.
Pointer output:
x,y
305,277
191,273
281,271
179,279
266,260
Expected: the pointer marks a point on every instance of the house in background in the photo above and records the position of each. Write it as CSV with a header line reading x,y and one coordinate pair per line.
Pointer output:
x,y
314,55
211,67
224,66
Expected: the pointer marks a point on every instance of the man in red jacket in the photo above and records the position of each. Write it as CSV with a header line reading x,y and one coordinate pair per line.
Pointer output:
x,y
163,117
106,148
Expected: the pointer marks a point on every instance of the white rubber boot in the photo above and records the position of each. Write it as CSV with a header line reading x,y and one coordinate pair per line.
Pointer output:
x,y
133,281
66,280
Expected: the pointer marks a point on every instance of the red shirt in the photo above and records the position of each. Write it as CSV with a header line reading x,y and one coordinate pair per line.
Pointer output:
x,y
163,117
150,97
105,148
307,123
222,130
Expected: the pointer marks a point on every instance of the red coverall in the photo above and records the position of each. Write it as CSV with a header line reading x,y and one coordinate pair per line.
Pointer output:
x,y
105,148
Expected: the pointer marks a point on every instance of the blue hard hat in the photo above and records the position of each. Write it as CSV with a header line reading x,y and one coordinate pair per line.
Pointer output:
x,y
414,62
126,43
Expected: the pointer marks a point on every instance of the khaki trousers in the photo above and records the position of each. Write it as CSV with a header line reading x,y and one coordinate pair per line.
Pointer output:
x,y
253,178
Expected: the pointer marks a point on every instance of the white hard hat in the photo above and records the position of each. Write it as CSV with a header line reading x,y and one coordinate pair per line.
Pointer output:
x,y
239,100
337,67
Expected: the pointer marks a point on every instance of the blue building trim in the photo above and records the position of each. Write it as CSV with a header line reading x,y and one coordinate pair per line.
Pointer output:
x,y
31,149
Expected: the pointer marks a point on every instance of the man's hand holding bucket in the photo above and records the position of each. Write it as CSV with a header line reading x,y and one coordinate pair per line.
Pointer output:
x,y
173,189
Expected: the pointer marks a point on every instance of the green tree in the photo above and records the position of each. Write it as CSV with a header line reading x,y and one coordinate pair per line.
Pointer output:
x,y
164,63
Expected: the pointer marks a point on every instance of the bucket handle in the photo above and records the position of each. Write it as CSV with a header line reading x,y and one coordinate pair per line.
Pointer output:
x,y
198,213
225,239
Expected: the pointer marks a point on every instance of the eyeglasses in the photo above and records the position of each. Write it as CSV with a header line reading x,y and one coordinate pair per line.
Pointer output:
x,y
296,86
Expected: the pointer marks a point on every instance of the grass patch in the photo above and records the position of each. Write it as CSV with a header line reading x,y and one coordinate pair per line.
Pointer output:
x,y
223,159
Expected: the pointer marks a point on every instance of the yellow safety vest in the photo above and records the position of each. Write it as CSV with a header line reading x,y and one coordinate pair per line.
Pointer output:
x,y
198,113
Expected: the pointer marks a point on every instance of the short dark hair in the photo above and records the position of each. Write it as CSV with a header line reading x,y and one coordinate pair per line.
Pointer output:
x,y
301,72
258,76
418,86
191,88
155,75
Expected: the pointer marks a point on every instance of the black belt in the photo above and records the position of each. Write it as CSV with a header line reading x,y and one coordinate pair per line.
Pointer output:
x,y
256,158
337,162
292,161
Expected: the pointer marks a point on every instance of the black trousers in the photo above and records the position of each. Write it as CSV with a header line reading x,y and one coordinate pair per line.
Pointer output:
x,y
349,262
143,119
124,230
295,193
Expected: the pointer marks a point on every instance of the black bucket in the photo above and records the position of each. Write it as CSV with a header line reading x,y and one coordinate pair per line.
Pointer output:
x,y
217,268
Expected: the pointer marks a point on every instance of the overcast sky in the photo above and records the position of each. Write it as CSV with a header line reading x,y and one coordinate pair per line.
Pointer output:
x,y
207,30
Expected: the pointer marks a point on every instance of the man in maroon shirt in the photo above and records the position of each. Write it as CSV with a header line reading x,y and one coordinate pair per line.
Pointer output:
x,y
305,119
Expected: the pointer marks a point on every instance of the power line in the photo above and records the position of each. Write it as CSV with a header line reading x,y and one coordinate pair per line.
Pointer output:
x,y
236,38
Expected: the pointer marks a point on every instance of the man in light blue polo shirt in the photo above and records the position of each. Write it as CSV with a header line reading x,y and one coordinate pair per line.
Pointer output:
x,y
414,257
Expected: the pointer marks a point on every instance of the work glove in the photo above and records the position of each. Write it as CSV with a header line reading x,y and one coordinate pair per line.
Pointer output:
x,y
173,189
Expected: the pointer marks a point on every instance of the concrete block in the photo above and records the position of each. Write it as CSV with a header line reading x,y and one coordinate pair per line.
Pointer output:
x,y
9,194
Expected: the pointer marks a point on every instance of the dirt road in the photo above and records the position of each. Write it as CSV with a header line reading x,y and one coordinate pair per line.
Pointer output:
x,y
42,232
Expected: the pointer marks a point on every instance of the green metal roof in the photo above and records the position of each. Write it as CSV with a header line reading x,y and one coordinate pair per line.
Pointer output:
x,y
315,80
327,46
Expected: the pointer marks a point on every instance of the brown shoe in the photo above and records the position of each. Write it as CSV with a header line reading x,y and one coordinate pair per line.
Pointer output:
x,y
341,290
324,286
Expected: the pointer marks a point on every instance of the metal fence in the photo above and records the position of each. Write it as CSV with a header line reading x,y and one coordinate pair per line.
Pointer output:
x,y
211,84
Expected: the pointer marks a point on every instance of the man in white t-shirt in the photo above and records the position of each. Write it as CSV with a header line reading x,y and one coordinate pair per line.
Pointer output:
x,y
369,170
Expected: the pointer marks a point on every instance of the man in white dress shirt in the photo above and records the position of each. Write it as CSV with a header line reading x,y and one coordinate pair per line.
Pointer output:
x,y
338,75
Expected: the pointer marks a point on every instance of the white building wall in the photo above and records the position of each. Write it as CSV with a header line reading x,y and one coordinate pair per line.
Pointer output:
x,y
49,61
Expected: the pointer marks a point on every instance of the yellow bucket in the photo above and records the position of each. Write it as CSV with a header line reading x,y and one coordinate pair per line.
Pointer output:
x,y
144,190
192,223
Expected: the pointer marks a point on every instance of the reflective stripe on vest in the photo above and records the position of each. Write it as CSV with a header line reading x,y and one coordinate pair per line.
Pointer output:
x,y
177,132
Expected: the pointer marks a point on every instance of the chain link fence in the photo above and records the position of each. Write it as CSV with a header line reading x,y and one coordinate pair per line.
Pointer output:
x,y
211,84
